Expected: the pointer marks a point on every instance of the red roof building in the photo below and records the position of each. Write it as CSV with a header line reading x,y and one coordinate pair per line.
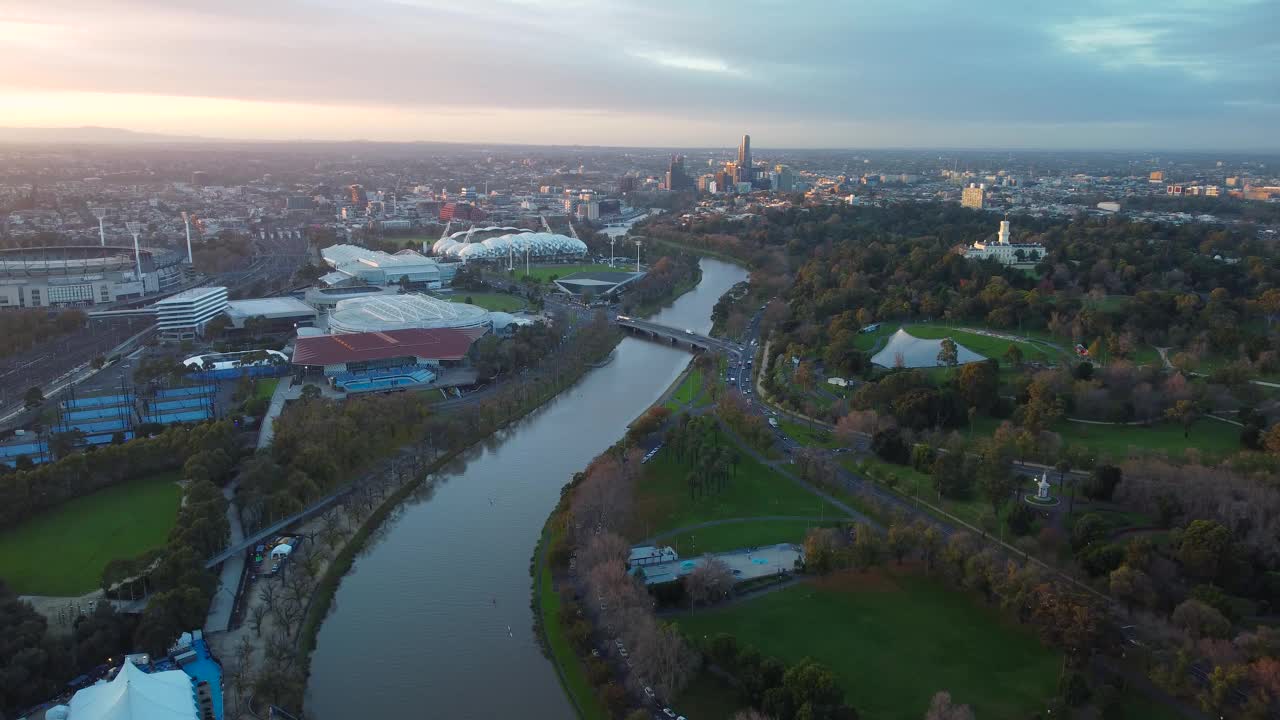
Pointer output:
x,y
334,352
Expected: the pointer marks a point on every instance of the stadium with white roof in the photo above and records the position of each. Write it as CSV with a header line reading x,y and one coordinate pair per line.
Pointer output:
x,y
380,313
541,246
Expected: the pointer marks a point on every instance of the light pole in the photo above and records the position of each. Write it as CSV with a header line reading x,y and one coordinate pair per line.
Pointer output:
x,y
637,256
186,221
134,229
100,213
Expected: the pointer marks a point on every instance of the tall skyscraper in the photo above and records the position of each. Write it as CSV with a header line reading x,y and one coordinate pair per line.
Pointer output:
x,y
677,178
973,196
744,159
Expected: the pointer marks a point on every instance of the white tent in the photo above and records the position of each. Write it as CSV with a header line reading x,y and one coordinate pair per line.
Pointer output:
x,y
135,695
918,352
281,551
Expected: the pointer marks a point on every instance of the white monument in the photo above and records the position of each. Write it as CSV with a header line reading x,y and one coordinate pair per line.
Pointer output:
x,y
1042,487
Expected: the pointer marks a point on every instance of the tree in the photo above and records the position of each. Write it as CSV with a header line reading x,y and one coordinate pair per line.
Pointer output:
x,y
947,353
1102,482
1183,411
978,383
310,392
34,397
996,481
943,708
710,580
1013,355
1087,529
1131,586
1200,620
1202,549
901,540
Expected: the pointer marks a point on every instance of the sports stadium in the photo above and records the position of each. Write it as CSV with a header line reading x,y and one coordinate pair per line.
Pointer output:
x,y
84,274
541,246
380,313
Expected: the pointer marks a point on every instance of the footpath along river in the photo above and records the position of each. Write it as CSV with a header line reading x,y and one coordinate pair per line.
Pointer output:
x,y
434,618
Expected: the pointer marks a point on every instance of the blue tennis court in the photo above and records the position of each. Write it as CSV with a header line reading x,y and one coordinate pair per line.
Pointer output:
x,y
186,392
100,401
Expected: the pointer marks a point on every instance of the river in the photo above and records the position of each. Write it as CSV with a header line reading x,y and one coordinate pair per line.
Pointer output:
x,y
434,619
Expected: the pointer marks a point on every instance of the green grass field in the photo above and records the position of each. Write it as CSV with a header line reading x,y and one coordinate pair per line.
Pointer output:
x,y
663,500
990,347
813,437
499,302
722,538
544,274
689,390
867,341
265,388
63,551
1213,438
893,639
574,673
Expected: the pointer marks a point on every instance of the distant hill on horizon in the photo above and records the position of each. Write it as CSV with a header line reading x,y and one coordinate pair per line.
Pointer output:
x,y
90,134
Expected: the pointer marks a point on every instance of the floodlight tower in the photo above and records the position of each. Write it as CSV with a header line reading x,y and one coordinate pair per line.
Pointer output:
x,y
612,239
101,214
637,256
135,228
511,255
186,221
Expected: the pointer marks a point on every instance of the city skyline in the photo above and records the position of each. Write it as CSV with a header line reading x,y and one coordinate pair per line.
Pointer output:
x,y
1104,76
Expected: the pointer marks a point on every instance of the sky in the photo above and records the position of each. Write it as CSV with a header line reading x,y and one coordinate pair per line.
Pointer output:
x,y
1086,74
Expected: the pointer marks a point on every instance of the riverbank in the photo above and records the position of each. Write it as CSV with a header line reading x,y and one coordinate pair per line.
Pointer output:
x,y
477,525
702,252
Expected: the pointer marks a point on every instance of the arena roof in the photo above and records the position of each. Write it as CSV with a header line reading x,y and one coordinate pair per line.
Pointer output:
x,y
432,344
398,312
269,308
601,281
69,259
539,244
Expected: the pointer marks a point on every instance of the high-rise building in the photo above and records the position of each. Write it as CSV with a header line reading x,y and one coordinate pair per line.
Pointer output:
x,y
1157,176
677,178
744,159
628,183
973,196
358,196
782,180
199,178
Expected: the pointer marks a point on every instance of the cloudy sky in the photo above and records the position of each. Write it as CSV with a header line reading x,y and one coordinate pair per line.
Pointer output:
x,y
830,73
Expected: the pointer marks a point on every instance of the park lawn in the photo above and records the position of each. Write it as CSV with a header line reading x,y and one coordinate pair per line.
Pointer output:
x,y
813,437
893,638
868,341
575,675
663,500
987,346
735,536
690,388
62,551
265,388
499,302
543,274
1213,438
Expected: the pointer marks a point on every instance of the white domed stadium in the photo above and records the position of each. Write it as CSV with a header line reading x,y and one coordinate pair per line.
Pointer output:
x,y
380,313
541,246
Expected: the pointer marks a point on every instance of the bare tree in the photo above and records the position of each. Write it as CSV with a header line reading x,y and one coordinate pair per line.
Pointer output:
x,y
710,580
256,616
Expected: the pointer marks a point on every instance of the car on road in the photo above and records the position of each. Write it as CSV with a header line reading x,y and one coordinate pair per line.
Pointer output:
x,y
687,331
648,692
669,712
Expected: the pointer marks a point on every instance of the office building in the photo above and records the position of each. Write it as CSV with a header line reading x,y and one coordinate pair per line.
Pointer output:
x,y
678,178
1157,176
973,196
782,179
744,160
357,196
185,315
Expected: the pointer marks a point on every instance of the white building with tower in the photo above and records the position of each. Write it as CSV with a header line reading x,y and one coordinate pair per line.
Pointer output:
x,y
1005,252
